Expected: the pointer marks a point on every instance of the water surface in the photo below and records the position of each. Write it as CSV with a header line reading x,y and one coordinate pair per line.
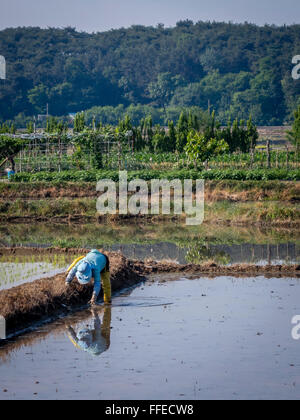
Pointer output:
x,y
223,245
171,338
19,269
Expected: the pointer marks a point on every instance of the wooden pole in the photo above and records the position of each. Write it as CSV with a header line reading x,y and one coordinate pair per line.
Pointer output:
x,y
268,155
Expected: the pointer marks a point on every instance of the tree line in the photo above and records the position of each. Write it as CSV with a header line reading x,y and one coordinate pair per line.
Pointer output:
x,y
236,69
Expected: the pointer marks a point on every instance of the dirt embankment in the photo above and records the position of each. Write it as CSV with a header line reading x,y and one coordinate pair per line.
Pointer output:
x,y
30,302
48,298
235,191
212,269
44,190
258,203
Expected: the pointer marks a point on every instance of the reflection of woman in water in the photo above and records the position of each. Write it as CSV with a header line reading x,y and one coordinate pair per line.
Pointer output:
x,y
94,341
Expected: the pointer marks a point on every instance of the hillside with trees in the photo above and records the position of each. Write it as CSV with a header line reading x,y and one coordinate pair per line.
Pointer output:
x,y
235,69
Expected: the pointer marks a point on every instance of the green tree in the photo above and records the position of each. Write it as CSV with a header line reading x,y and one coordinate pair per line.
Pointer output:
x,y
211,126
238,136
7,128
252,135
125,124
54,126
201,149
182,130
162,141
147,132
39,97
29,127
162,90
79,122
219,62
88,148
294,133
9,148
265,90
210,60
172,136
193,122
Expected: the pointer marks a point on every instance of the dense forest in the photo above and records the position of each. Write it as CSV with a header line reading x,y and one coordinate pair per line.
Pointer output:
x,y
235,69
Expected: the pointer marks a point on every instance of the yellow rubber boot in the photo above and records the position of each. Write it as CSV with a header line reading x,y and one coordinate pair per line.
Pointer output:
x,y
105,327
106,284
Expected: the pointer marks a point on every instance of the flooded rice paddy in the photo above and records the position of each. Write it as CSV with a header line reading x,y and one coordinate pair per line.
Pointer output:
x,y
19,269
172,337
16,270
161,241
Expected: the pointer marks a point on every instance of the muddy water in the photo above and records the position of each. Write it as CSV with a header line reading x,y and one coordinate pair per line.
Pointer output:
x,y
172,337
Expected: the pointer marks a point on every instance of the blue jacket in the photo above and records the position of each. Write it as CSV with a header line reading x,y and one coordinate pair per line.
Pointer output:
x,y
97,262
93,339
90,340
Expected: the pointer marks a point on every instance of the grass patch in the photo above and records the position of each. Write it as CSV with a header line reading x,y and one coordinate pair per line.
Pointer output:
x,y
220,211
